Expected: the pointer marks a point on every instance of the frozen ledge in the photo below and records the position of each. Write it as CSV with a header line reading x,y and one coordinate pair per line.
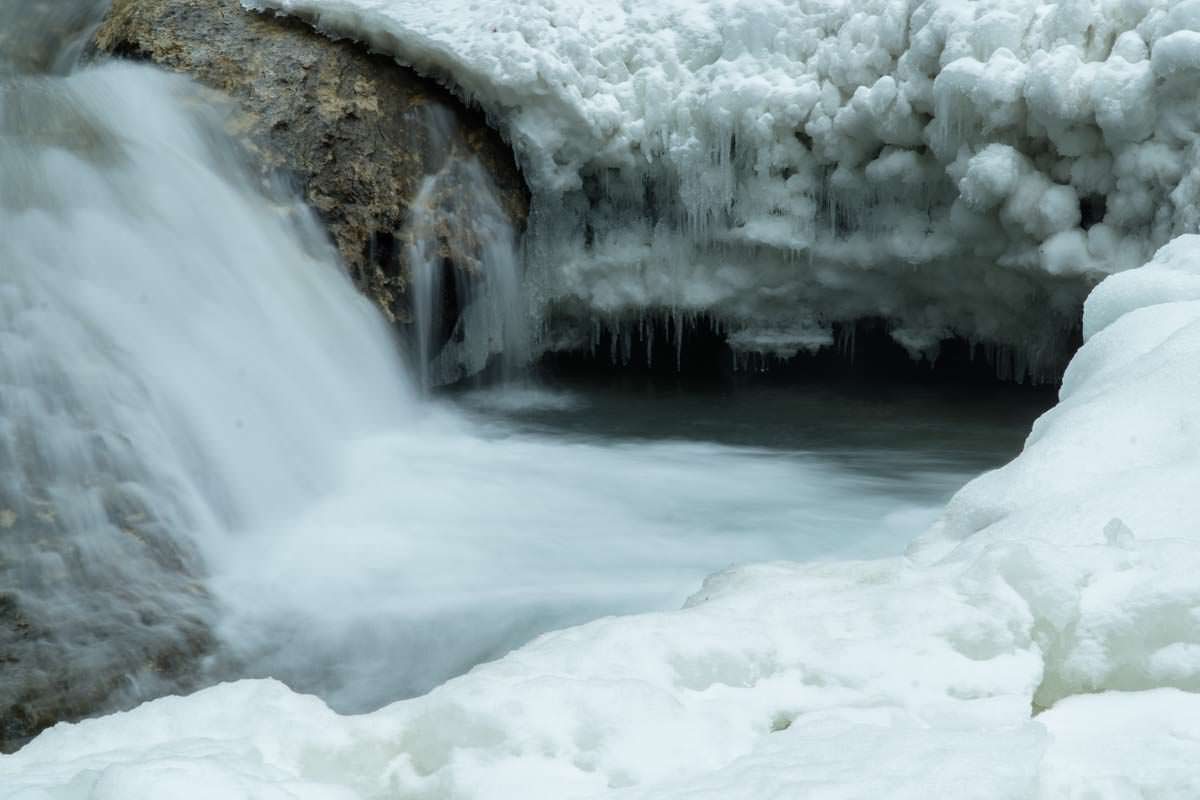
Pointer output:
x,y
966,167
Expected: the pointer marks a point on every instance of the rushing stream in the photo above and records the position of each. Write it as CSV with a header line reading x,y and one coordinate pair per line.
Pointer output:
x,y
454,538
205,431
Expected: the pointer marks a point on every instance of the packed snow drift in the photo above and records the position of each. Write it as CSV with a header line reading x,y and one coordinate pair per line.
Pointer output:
x,y
958,168
1043,641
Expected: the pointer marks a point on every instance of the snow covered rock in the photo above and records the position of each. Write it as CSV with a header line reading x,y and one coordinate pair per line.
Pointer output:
x,y
1121,448
966,167
359,134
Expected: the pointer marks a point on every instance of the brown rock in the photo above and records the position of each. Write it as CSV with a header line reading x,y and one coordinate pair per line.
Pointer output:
x,y
356,130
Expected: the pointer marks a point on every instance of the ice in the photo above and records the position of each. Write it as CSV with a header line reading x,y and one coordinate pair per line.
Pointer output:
x,y
1125,414
1090,756
958,168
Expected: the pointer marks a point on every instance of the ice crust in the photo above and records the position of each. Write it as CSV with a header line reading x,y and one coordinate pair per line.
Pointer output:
x,y
1043,641
967,167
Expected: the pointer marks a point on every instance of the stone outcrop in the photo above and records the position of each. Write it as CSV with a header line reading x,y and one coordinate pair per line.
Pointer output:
x,y
358,132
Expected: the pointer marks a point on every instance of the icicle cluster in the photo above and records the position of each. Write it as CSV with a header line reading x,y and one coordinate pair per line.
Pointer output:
x,y
958,168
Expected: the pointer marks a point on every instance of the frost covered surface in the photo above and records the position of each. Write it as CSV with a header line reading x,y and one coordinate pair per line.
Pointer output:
x,y
966,166
1042,642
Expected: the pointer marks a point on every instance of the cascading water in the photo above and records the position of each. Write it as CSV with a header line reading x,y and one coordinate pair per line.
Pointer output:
x,y
213,465
46,36
458,234
172,370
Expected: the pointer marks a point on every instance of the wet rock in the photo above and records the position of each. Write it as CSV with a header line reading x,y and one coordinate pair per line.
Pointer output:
x,y
354,129
99,608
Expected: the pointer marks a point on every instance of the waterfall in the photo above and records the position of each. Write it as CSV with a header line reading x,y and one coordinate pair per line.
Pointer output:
x,y
181,358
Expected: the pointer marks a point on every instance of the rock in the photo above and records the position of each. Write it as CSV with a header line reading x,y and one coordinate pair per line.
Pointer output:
x,y
358,132
98,611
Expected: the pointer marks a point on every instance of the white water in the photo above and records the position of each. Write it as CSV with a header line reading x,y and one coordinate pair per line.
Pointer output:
x,y
174,358
189,379
46,35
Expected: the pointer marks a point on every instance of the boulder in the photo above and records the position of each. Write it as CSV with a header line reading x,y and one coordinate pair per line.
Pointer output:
x,y
355,130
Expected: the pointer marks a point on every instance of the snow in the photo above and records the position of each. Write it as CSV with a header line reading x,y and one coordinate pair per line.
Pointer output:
x,y
1042,641
954,166
846,680
1121,442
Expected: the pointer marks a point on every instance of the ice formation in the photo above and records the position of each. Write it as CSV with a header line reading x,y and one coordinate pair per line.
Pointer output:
x,y
1043,641
968,168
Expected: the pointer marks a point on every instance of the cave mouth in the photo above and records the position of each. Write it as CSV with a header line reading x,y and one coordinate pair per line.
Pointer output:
x,y
696,352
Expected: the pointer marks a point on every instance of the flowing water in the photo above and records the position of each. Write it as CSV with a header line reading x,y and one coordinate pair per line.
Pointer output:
x,y
514,510
209,440
462,247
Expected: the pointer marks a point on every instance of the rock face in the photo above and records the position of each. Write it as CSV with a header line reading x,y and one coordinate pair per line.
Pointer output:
x,y
355,130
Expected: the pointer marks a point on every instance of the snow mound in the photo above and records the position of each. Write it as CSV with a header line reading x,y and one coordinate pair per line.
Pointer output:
x,y
954,167
1042,642
1116,457
848,680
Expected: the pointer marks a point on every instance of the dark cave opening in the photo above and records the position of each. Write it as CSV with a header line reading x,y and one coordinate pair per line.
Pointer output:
x,y
696,352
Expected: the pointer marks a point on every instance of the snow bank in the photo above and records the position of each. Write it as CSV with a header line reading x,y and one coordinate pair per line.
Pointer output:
x,y
969,167
1042,642
854,680
1117,456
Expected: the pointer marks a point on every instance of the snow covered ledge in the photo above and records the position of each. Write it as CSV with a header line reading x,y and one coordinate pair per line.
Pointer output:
x,y
958,168
1042,642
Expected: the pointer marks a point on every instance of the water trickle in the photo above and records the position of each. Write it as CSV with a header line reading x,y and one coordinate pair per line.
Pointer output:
x,y
467,299
46,36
